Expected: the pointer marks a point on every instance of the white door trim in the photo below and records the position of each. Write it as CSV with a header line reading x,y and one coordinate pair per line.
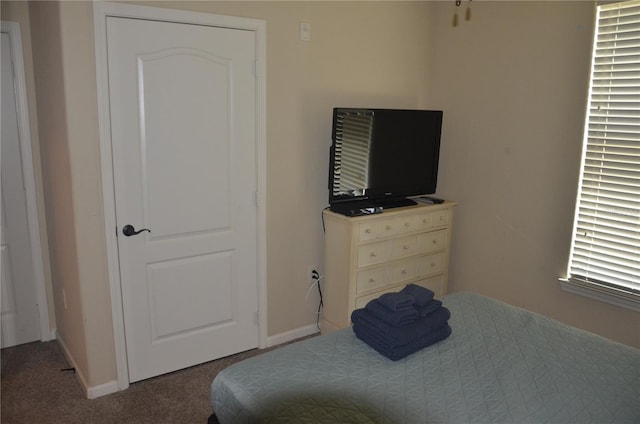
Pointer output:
x,y
24,131
101,10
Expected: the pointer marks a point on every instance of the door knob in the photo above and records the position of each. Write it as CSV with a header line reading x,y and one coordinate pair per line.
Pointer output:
x,y
129,230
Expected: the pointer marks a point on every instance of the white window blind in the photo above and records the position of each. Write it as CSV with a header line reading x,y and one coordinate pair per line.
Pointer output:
x,y
605,254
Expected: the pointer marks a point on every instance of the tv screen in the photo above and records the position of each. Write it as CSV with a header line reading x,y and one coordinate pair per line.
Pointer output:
x,y
383,156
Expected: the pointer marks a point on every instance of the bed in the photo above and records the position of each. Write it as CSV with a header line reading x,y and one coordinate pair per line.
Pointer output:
x,y
501,364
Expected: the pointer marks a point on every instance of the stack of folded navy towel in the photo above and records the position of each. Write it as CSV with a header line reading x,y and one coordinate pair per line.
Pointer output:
x,y
399,324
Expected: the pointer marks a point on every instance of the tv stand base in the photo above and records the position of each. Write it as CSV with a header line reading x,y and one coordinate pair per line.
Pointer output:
x,y
369,207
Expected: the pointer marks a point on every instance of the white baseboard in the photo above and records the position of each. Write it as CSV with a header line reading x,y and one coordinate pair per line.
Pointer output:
x,y
292,335
102,389
110,387
47,337
91,392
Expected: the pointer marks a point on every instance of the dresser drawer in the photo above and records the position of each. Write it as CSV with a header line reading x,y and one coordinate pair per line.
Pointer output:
x,y
368,230
424,221
387,228
403,247
405,224
371,254
432,264
371,279
433,241
381,276
435,284
440,219
374,229
403,270
362,301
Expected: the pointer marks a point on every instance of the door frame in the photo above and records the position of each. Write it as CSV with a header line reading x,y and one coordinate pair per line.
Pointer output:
x,y
102,10
28,175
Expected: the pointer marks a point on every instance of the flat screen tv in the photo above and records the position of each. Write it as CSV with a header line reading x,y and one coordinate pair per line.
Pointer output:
x,y
380,157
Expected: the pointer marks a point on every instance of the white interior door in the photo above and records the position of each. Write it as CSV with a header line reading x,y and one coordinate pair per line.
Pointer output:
x,y
182,105
19,306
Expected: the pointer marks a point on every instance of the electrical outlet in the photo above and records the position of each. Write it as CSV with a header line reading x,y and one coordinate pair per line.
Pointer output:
x,y
313,274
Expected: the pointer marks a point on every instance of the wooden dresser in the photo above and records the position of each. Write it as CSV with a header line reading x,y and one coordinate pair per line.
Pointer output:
x,y
367,256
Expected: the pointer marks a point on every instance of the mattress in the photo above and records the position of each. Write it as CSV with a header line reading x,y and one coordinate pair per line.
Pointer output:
x,y
501,364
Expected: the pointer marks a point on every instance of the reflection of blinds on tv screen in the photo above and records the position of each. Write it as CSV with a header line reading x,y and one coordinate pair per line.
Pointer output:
x,y
353,143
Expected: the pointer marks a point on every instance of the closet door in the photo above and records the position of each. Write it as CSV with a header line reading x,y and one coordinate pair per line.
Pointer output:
x,y
182,104
19,312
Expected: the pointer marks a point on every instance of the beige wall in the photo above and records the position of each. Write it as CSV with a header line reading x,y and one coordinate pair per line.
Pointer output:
x,y
62,37
513,83
513,96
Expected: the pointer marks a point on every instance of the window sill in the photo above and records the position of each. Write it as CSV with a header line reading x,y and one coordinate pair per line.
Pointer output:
x,y
610,295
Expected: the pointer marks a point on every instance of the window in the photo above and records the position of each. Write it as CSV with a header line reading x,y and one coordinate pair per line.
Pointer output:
x,y
605,252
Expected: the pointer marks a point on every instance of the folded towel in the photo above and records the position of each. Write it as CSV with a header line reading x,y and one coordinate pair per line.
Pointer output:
x,y
430,307
421,295
382,340
397,336
396,301
399,352
395,318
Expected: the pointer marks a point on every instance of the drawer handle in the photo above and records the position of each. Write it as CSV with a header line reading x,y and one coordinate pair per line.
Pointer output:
x,y
373,254
367,231
407,224
405,247
388,227
425,220
403,272
372,280
433,265
434,241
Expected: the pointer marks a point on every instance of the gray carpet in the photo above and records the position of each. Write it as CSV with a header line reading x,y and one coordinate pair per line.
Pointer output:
x,y
35,390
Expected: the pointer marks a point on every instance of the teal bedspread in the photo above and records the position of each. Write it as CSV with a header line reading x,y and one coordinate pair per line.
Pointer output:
x,y
501,364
